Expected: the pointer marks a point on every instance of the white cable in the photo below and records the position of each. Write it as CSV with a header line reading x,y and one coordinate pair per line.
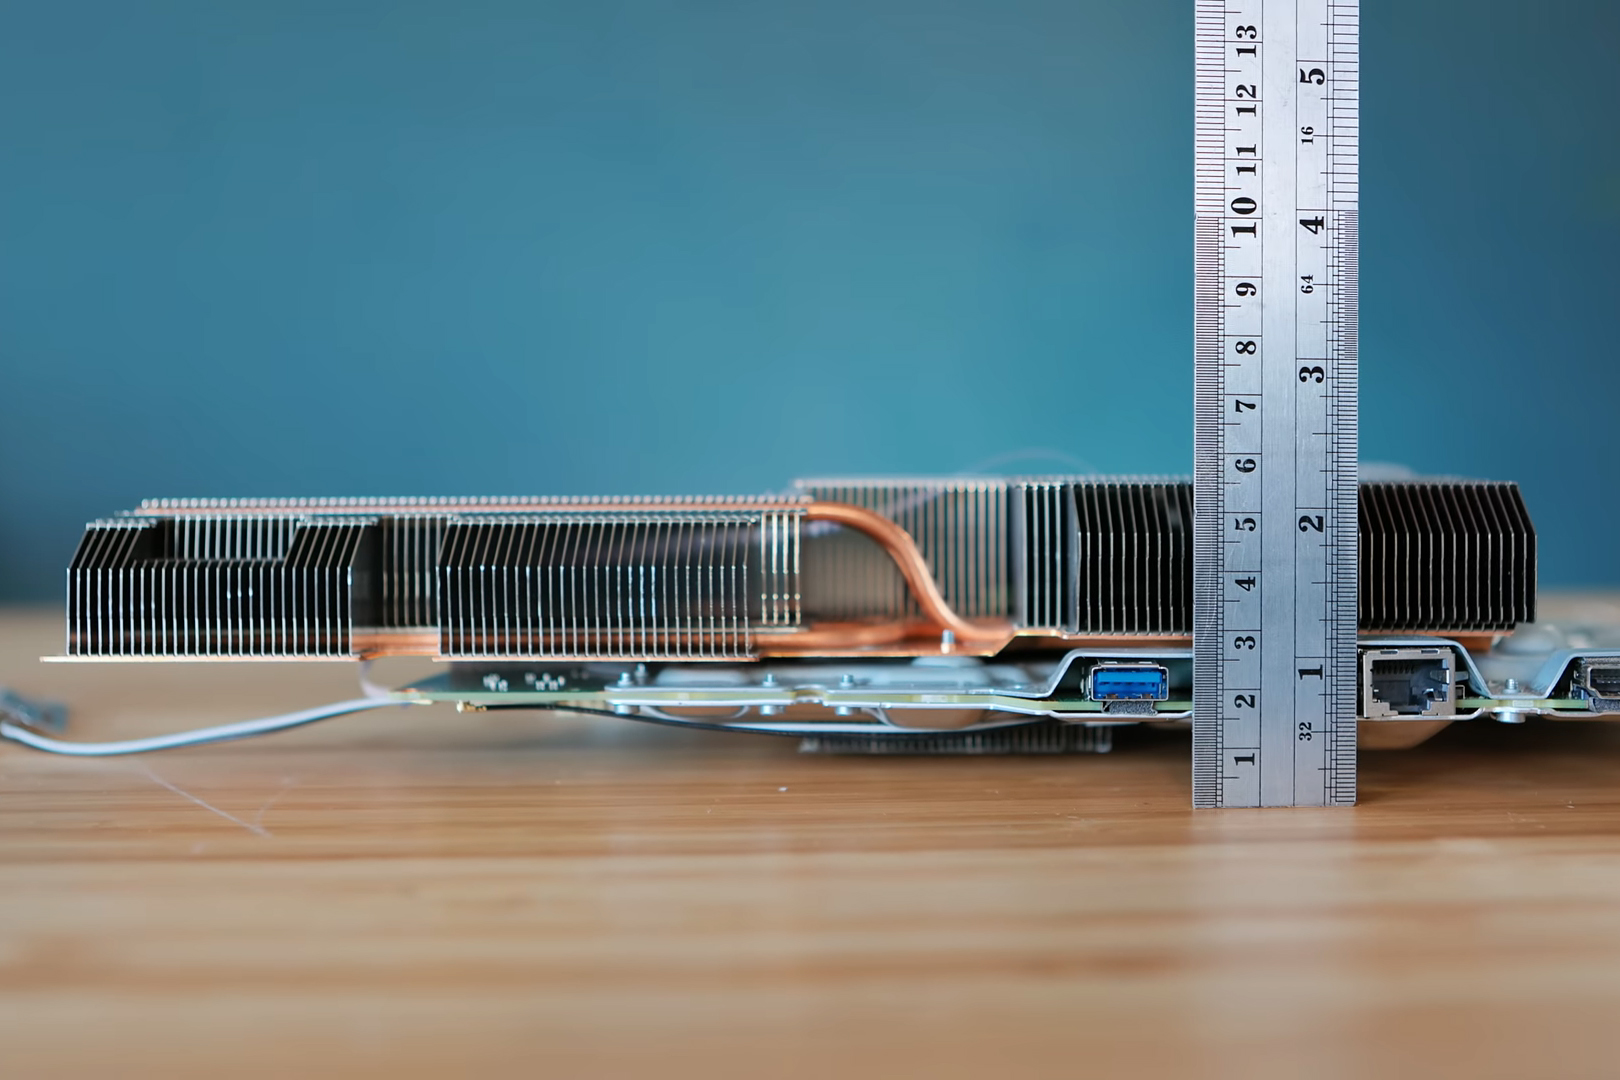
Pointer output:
x,y
223,732
369,688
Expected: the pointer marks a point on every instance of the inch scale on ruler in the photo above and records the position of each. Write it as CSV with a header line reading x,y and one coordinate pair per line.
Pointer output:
x,y
1275,481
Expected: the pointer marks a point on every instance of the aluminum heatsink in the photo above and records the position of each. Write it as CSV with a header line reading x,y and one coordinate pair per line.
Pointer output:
x,y
1446,555
679,584
903,566
220,586
1115,556
958,523
1103,556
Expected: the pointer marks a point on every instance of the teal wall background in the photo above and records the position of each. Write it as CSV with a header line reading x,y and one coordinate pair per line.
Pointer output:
x,y
480,246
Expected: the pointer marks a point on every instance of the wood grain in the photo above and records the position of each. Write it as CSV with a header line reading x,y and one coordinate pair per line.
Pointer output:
x,y
420,893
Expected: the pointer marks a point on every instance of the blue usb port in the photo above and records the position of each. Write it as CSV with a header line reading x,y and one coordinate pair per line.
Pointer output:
x,y
1129,682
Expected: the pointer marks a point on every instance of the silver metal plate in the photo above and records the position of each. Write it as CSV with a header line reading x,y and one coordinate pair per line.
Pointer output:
x,y
1275,485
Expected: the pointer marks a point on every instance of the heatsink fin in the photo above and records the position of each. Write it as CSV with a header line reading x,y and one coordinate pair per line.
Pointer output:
x,y
1446,556
676,584
227,586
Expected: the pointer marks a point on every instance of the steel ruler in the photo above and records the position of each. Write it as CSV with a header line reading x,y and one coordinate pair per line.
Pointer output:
x,y
1275,484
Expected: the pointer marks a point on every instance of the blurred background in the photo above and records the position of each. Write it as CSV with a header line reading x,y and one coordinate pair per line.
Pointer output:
x,y
623,247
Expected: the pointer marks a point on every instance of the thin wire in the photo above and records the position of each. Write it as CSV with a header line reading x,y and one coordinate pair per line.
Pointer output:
x,y
887,730
369,688
266,725
645,718
199,737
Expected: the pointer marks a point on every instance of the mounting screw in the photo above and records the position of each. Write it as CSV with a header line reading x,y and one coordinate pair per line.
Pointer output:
x,y
1511,686
768,680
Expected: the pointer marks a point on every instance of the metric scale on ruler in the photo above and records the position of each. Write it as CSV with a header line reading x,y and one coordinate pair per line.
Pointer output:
x,y
1275,481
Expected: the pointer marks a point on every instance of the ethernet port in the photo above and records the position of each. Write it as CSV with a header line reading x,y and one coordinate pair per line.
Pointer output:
x,y
1408,682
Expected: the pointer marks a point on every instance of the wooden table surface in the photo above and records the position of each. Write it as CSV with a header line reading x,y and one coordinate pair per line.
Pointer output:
x,y
417,892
